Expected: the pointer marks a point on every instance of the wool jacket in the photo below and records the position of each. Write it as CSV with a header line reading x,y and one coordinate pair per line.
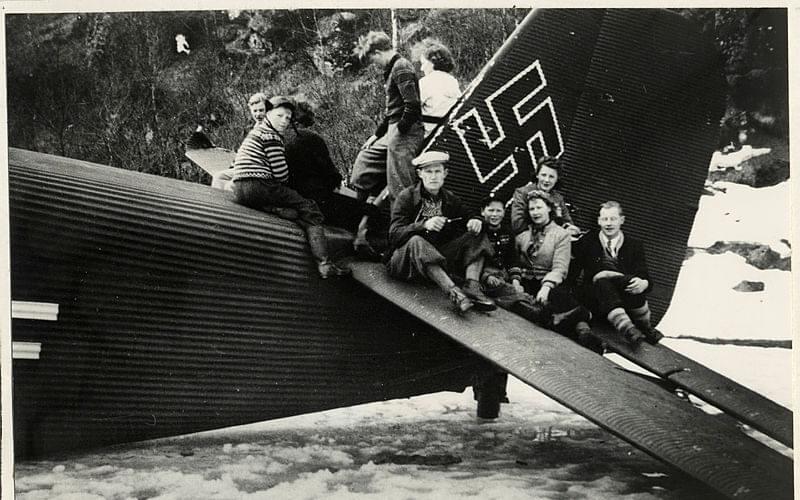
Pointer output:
x,y
519,208
503,242
551,261
590,258
406,220
261,155
402,96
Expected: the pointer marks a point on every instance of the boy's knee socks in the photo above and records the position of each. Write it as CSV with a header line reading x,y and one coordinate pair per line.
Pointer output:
x,y
620,319
641,315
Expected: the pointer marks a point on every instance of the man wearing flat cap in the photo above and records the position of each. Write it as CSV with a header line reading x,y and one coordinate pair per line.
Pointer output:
x,y
433,237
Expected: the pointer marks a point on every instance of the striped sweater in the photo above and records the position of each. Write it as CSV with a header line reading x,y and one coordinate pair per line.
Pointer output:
x,y
261,155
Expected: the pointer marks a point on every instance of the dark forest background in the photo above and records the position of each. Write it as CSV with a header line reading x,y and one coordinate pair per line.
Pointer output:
x,y
112,88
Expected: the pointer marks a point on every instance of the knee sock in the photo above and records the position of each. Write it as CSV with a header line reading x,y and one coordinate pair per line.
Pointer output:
x,y
620,319
641,315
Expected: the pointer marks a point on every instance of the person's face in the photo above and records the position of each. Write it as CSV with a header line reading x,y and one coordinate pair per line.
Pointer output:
x,y
546,178
279,118
432,177
258,111
610,221
493,213
379,57
425,65
539,211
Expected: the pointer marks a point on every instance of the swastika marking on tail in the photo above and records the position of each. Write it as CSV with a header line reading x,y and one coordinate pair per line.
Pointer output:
x,y
537,118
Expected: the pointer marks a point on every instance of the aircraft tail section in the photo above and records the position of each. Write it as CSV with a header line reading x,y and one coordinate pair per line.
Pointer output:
x,y
630,99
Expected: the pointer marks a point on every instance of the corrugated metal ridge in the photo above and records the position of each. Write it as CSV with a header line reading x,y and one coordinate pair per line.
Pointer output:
x,y
176,318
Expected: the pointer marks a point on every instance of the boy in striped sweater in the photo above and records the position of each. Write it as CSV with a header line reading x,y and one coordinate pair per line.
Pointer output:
x,y
260,174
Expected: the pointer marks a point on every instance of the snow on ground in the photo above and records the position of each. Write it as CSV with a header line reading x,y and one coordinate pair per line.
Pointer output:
x,y
538,449
744,213
706,305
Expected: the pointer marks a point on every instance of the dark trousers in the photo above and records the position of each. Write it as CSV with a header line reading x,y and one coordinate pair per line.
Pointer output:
x,y
388,161
610,294
264,193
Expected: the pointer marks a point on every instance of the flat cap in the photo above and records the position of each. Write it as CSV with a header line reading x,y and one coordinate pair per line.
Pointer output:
x,y
429,158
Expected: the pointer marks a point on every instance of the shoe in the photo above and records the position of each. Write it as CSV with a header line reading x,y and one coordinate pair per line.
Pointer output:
x,y
651,335
482,303
460,301
532,311
585,338
328,269
633,336
364,251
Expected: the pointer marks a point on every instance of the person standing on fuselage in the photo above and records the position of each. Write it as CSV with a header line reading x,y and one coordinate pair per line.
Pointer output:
x,y
385,158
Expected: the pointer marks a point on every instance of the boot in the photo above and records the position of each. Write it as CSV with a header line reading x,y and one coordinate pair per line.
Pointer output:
x,y
651,335
361,245
633,336
328,268
460,301
566,323
472,289
319,249
532,311
585,338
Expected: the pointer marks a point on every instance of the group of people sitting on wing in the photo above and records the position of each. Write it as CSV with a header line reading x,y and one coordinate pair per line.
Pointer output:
x,y
522,266
536,271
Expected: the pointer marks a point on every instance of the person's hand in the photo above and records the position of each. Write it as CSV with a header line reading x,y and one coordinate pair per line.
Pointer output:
x,y
637,285
517,286
369,141
435,223
543,295
493,281
573,229
474,226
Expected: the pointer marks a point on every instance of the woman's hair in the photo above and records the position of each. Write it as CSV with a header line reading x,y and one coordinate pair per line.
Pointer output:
x,y
538,194
549,162
440,56
304,112
370,43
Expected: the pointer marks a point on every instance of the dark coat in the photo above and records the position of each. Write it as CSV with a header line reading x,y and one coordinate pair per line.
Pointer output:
x,y
312,172
406,220
589,254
